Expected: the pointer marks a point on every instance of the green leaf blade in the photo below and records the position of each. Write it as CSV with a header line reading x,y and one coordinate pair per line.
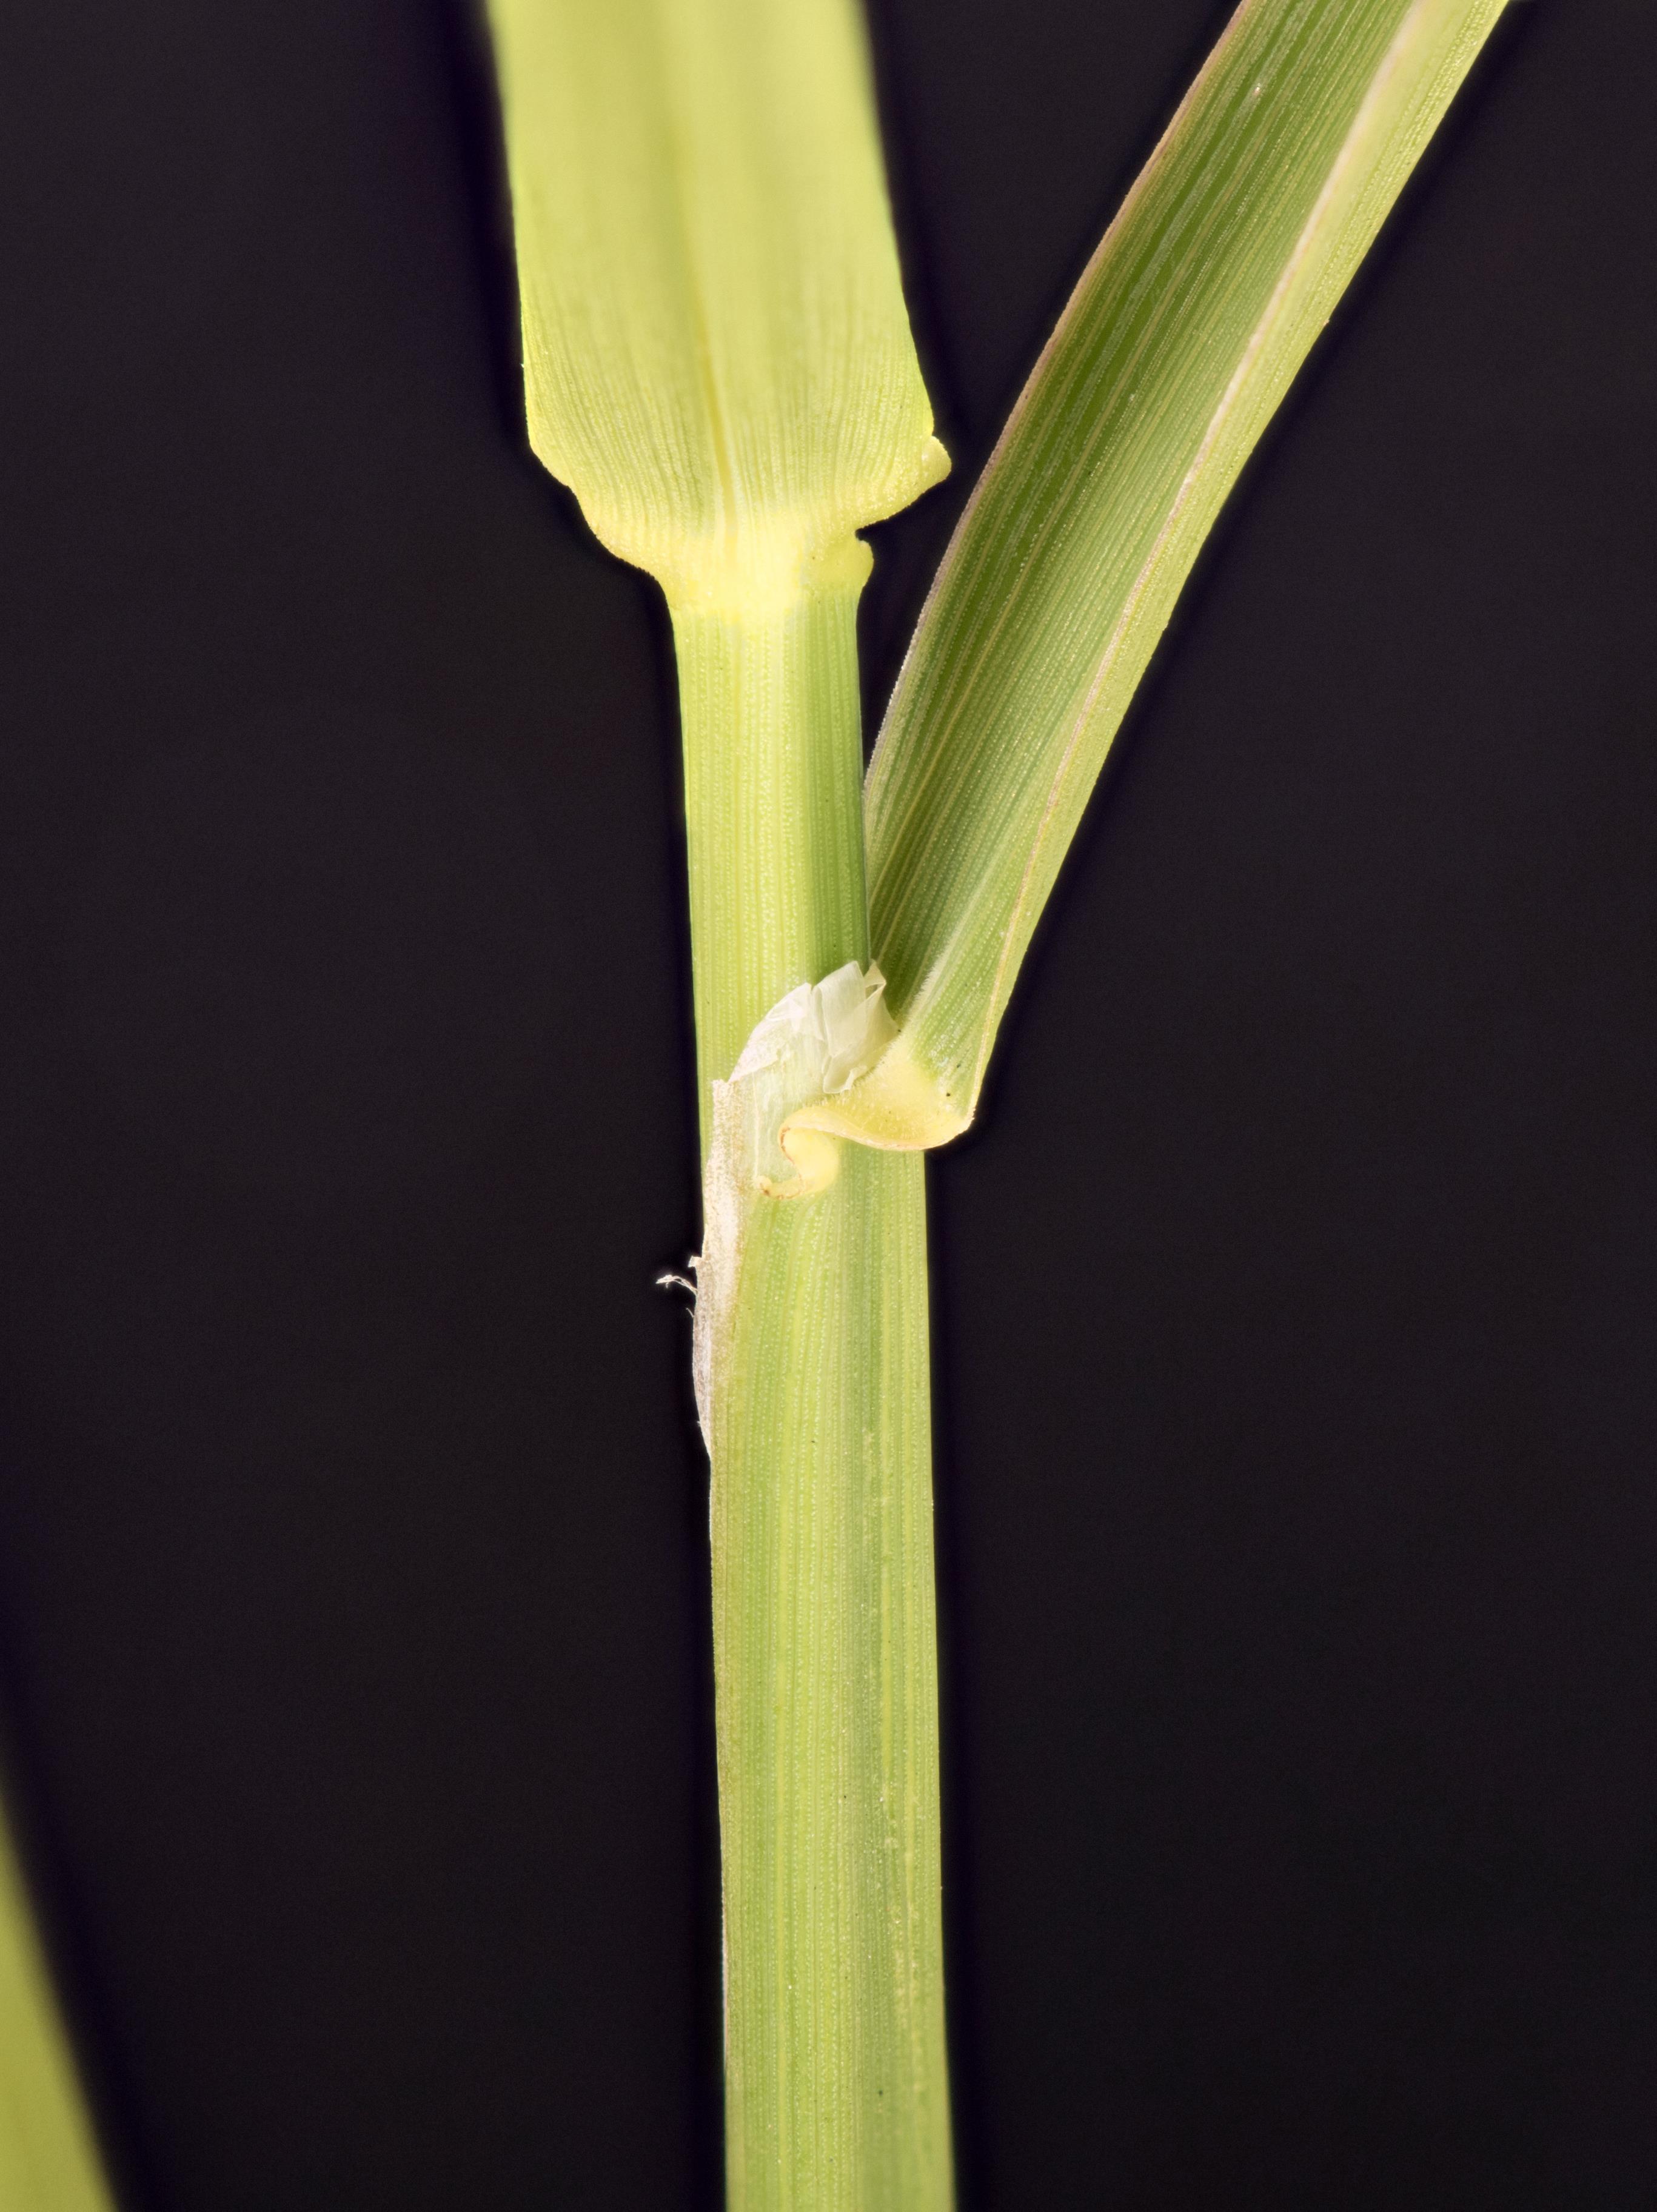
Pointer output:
x,y
716,355
1190,323
49,2158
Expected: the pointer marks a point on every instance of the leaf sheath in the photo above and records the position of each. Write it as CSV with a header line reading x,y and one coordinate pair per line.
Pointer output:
x,y
824,1647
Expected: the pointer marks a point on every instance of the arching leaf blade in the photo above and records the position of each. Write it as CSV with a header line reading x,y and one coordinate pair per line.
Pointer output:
x,y
1191,321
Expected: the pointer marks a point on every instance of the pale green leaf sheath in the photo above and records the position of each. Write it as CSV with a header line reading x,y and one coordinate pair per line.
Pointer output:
x,y
1200,304
718,361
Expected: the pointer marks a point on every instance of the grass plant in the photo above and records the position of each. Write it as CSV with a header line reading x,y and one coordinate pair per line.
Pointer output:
x,y
718,363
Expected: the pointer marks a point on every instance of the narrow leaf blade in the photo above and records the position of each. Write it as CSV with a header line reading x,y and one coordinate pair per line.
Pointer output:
x,y
718,359
49,2159
1187,329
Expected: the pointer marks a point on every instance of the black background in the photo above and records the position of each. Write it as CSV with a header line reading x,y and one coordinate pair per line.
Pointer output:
x,y
1296,1301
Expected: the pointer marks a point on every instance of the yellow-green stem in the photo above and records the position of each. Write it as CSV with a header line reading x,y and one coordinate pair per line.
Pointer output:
x,y
836,2096
774,807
